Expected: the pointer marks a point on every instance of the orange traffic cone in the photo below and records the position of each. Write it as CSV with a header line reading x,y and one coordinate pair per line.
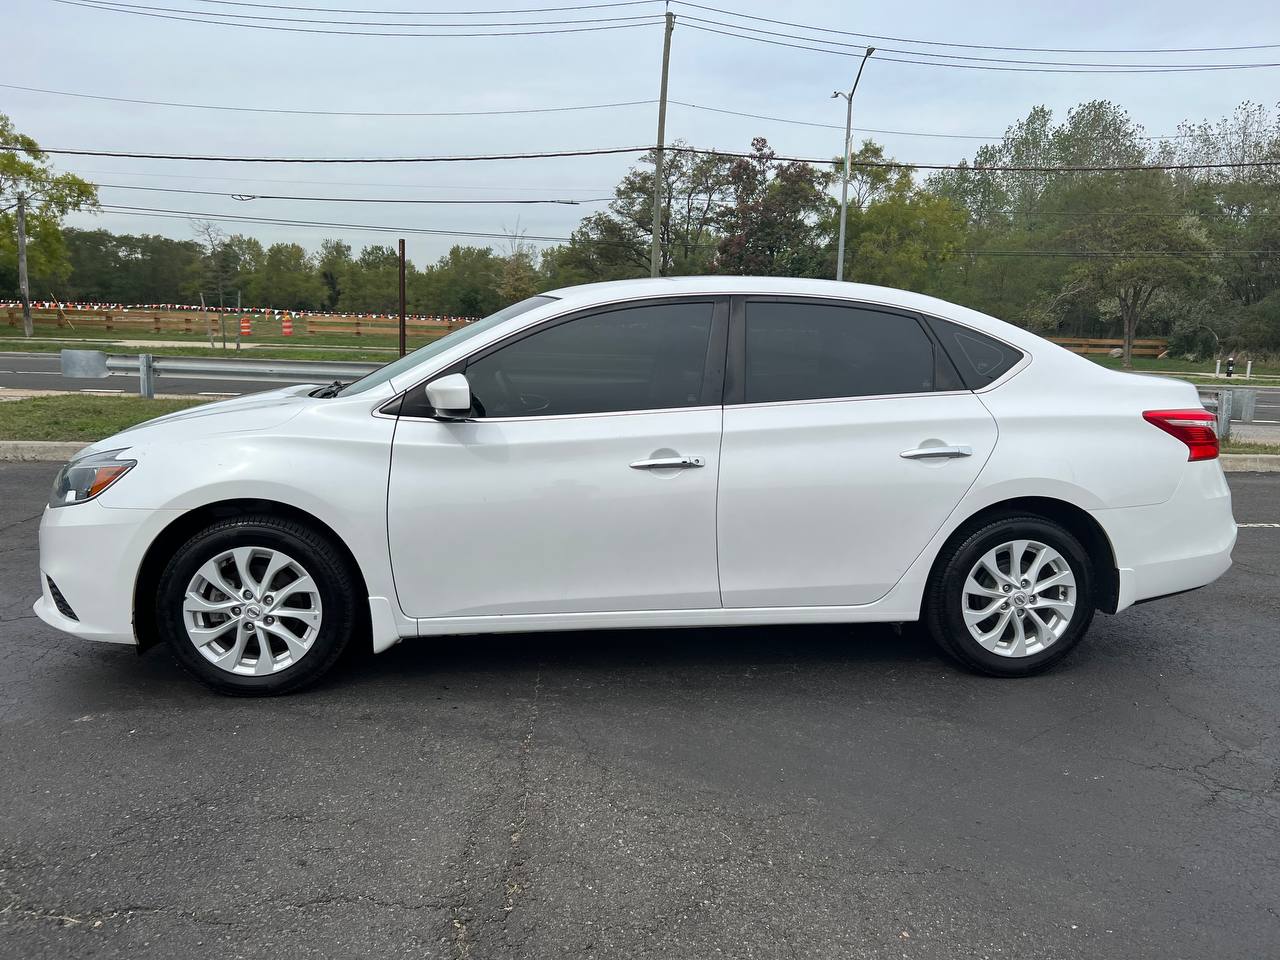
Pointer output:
x,y
246,327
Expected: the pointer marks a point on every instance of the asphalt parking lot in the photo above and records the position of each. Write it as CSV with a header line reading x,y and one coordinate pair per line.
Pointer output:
x,y
780,792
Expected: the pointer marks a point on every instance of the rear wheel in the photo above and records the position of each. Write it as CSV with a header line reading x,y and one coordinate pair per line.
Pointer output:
x,y
256,606
1012,597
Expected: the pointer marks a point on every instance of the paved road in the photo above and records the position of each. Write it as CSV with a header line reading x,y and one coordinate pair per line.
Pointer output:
x,y
42,371
817,792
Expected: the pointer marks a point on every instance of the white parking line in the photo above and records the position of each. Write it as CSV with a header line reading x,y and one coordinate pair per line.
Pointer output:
x,y
1267,525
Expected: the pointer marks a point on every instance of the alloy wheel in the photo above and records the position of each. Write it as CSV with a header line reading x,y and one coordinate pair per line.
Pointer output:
x,y
252,611
1019,598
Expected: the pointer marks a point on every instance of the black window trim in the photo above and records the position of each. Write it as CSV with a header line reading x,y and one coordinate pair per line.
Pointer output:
x,y
736,374
713,376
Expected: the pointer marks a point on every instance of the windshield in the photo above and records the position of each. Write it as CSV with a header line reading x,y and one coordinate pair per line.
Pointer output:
x,y
435,347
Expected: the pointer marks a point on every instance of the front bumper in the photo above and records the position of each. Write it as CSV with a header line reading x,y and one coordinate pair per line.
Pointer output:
x,y
93,552
1175,546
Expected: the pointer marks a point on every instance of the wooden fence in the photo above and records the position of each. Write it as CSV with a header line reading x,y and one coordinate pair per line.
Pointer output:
x,y
1150,347
211,323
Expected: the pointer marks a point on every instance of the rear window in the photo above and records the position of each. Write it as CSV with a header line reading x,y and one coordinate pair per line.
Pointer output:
x,y
979,359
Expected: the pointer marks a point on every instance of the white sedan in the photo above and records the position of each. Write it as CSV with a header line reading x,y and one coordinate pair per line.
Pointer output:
x,y
650,453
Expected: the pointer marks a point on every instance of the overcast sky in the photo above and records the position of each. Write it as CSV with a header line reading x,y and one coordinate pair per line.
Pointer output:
x,y
75,49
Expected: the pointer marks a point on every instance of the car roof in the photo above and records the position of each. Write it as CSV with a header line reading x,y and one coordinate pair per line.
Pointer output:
x,y
592,294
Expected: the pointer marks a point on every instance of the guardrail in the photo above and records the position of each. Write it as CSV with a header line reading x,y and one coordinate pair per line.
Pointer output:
x,y
96,365
1229,403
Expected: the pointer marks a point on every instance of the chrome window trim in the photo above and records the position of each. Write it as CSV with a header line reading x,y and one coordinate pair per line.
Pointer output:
x,y
703,295
876,396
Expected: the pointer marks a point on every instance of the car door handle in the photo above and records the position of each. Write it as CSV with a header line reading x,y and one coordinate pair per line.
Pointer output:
x,y
668,463
927,453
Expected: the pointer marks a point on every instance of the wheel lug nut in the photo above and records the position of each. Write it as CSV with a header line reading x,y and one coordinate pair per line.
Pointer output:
x,y
1026,583
248,626
1005,605
268,599
1006,588
248,594
235,611
1022,613
268,620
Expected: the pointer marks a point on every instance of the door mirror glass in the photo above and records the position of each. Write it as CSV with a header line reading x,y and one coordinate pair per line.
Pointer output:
x,y
450,397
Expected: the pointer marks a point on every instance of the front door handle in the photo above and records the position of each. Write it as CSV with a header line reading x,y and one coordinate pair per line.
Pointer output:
x,y
668,463
927,453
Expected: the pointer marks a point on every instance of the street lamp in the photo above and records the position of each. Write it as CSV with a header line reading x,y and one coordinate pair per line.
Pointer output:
x,y
848,135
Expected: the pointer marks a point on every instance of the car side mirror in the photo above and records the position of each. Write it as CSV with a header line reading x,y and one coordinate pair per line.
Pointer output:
x,y
450,397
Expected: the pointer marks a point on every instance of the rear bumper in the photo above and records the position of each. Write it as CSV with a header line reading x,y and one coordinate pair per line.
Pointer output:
x,y
1178,545
92,553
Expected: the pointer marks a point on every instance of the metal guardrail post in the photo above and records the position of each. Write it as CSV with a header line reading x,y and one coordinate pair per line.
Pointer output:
x,y
1224,414
1248,398
146,378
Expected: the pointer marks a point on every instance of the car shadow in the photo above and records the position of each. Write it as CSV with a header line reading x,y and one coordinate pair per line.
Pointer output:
x,y
644,652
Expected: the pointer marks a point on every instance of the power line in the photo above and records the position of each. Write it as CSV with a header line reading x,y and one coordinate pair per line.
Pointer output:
x,y
245,197
963,66
972,46
277,221
274,221
967,168
601,151
329,113
986,138
121,6
348,33
430,13
956,56
336,183
674,148
896,133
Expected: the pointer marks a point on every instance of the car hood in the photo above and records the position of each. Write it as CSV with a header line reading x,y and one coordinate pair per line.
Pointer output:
x,y
258,411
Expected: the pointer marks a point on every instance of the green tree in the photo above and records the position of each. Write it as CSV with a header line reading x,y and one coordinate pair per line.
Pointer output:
x,y
334,265
287,279
33,193
773,226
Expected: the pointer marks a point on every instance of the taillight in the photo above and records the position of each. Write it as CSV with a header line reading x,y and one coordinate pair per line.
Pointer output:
x,y
1198,429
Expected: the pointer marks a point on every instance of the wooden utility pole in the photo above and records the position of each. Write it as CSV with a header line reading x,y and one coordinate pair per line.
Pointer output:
x,y
24,289
402,320
655,253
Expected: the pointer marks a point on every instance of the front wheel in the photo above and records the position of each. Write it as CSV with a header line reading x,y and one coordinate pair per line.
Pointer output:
x,y
256,605
1012,597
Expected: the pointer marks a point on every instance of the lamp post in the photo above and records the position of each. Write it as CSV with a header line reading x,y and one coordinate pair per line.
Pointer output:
x,y
848,135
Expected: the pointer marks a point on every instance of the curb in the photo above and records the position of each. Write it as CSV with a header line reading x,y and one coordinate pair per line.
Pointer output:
x,y
1250,462
46,451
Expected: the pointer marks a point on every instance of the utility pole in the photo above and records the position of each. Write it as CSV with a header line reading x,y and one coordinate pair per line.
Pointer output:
x,y
402,321
848,146
24,289
655,253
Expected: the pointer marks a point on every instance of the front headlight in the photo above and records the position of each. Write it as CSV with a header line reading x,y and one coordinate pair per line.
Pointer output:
x,y
84,479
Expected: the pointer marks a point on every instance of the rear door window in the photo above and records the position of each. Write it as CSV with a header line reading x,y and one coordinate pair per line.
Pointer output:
x,y
803,350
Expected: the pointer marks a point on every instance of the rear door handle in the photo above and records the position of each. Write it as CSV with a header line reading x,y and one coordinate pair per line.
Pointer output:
x,y
668,463
927,453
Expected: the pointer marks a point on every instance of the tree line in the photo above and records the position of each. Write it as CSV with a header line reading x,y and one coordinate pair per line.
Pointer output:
x,y
1190,250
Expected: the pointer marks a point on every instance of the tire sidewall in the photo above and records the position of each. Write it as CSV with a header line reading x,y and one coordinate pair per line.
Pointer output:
x,y
332,582
949,594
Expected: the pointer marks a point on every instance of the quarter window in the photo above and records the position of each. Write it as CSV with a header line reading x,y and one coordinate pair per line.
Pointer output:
x,y
813,351
644,357
979,359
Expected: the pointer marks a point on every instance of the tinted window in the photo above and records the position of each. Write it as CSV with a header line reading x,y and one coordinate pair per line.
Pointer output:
x,y
440,345
636,358
979,359
810,351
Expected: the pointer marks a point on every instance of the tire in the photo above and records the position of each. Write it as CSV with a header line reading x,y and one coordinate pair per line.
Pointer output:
x,y
302,604
1019,646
